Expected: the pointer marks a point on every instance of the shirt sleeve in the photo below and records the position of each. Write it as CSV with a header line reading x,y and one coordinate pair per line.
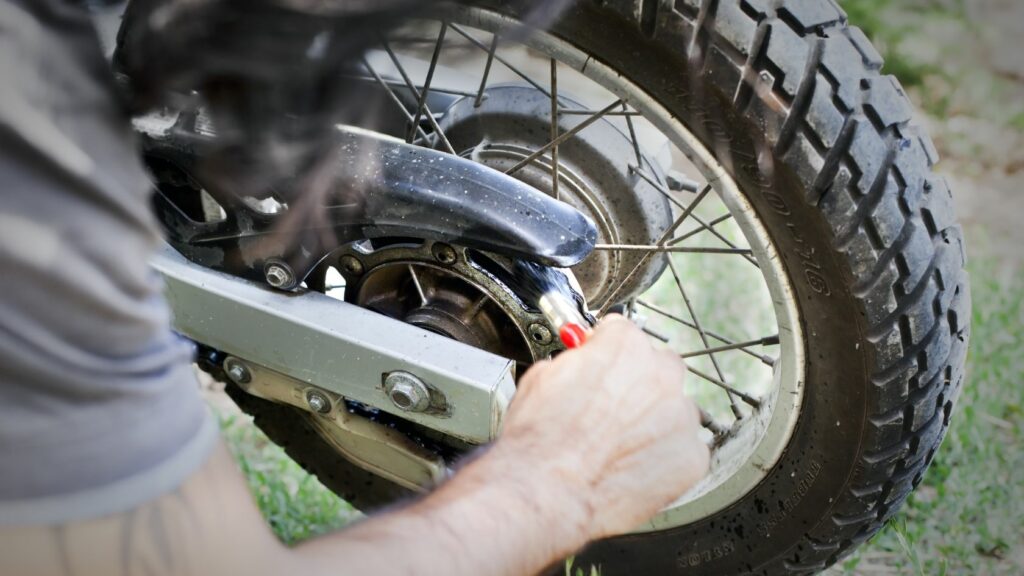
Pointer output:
x,y
99,405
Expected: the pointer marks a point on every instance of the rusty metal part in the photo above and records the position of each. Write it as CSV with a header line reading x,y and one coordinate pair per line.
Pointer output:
x,y
370,445
447,290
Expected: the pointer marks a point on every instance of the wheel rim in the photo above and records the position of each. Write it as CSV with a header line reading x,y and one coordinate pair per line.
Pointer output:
x,y
753,443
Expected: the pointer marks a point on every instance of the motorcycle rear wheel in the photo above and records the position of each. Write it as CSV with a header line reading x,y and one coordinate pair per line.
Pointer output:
x,y
790,102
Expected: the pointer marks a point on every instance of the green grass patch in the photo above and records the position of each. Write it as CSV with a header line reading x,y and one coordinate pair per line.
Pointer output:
x,y
874,18
294,503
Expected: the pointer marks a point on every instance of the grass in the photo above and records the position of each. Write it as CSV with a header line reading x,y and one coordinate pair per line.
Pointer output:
x,y
870,15
295,504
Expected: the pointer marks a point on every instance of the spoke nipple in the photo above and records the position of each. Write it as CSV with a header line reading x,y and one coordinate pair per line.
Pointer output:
x,y
676,182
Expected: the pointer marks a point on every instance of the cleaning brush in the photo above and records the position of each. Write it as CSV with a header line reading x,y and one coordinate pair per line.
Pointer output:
x,y
548,289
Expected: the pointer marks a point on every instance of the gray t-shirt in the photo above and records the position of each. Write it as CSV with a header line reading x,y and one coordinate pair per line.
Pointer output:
x,y
99,408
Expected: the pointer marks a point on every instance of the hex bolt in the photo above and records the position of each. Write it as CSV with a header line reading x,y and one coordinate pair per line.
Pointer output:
x,y
540,333
237,371
317,402
445,254
407,392
352,265
279,275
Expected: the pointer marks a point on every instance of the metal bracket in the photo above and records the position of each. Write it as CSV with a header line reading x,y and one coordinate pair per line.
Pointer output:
x,y
338,347
370,445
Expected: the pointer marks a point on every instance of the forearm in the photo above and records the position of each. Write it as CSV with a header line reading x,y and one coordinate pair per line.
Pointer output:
x,y
495,517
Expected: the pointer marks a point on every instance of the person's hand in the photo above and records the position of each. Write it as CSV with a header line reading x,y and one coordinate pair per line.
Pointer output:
x,y
610,422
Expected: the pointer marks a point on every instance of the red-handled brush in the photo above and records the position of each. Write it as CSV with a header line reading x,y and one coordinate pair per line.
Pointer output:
x,y
572,329
548,289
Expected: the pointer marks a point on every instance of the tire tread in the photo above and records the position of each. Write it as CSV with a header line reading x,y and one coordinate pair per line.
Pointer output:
x,y
847,130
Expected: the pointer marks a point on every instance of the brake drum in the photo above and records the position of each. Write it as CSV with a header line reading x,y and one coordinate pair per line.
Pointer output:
x,y
596,176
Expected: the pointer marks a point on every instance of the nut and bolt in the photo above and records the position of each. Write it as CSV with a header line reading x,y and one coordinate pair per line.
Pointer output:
x,y
351,264
279,275
540,333
237,371
445,254
407,392
317,402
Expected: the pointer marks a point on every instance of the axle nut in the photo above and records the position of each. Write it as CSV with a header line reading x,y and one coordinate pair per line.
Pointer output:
x,y
407,392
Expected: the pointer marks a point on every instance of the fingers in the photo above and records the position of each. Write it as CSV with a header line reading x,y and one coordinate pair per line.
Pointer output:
x,y
617,333
673,364
534,376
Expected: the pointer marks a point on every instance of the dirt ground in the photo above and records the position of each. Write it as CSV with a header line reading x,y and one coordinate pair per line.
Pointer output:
x,y
978,128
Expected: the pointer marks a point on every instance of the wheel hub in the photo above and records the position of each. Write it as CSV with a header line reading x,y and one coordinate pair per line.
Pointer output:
x,y
448,290
594,176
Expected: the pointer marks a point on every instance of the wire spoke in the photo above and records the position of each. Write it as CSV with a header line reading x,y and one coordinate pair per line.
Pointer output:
x,y
708,421
711,224
766,341
422,100
662,312
673,249
632,137
487,72
728,389
458,29
473,310
554,128
703,337
661,242
394,82
394,97
589,111
562,138
419,287
703,225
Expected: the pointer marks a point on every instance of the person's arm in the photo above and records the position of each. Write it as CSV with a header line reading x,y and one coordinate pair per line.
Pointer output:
x,y
595,443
